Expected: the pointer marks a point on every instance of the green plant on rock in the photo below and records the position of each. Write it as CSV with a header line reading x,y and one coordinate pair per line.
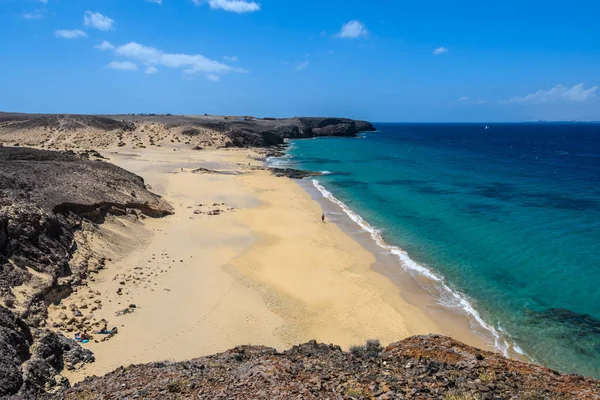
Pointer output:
x,y
357,351
371,349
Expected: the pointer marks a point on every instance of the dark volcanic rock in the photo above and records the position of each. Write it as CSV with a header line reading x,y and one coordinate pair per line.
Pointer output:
x,y
293,173
247,138
28,368
15,339
420,367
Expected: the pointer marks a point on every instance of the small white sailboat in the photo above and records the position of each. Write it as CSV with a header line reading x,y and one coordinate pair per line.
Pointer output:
x,y
487,127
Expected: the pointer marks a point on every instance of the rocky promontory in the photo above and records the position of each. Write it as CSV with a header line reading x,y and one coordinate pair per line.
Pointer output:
x,y
45,198
60,131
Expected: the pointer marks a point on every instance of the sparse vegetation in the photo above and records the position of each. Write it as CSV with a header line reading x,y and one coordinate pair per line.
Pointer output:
x,y
487,376
357,351
371,349
175,386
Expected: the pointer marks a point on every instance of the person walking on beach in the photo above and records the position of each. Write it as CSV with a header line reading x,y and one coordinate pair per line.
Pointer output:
x,y
323,218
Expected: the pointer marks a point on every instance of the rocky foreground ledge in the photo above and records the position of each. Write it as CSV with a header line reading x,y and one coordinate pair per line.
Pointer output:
x,y
420,367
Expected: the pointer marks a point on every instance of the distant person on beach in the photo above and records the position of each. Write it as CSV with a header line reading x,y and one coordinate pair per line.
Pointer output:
x,y
323,218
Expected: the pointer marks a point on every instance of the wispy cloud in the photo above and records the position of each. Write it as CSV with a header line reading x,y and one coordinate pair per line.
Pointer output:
x,y
189,63
122,65
440,50
302,65
105,46
352,30
576,94
154,1
237,6
230,58
70,34
98,21
151,70
470,100
36,14
213,77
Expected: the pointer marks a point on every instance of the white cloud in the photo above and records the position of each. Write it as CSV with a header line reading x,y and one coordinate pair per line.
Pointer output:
x,y
69,34
576,94
123,65
151,70
36,14
470,100
139,52
105,46
189,63
44,1
213,77
440,50
237,6
352,30
155,1
230,58
302,65
98,21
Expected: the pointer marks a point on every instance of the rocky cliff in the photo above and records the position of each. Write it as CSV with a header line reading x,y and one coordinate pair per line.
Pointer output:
x,y
421,367
88,131
44,199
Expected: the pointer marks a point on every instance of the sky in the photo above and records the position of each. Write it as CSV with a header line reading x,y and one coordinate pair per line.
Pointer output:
x,y
382,60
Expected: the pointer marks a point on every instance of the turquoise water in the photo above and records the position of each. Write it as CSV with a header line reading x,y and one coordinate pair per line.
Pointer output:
x,y
509,217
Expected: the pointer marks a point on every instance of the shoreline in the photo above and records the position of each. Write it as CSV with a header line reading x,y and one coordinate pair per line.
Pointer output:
x,y
264,271
417,285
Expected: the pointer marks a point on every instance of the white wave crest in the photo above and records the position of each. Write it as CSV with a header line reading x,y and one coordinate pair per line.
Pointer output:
x,y
458,300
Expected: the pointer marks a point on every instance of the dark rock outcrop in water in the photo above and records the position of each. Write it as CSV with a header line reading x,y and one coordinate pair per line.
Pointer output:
x,y
420,367
44,197
293,173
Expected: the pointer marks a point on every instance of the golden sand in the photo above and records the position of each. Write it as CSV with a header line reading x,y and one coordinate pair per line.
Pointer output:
x,y
266,271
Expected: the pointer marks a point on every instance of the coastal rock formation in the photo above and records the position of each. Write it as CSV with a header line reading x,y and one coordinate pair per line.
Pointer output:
x,y
420,367
44,199
141,131
293,173
29,367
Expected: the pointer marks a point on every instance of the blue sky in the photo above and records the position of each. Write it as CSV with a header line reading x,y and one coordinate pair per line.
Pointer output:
x,y
378,60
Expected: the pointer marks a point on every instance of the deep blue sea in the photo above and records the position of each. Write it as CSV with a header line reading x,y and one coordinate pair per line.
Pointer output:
x,y
508,217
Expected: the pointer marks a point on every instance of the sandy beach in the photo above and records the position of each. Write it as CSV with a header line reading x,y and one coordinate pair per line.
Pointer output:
x,y
264,271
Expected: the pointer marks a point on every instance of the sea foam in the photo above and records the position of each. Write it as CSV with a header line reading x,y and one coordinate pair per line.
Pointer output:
x,y
457,300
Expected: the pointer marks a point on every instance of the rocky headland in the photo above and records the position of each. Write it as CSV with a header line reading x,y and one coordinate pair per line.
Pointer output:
x,y
140,131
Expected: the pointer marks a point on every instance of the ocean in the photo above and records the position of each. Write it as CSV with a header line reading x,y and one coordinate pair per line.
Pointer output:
x,y
504,221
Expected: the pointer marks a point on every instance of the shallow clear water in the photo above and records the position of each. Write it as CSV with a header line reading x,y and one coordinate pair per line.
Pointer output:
x,y
509,216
